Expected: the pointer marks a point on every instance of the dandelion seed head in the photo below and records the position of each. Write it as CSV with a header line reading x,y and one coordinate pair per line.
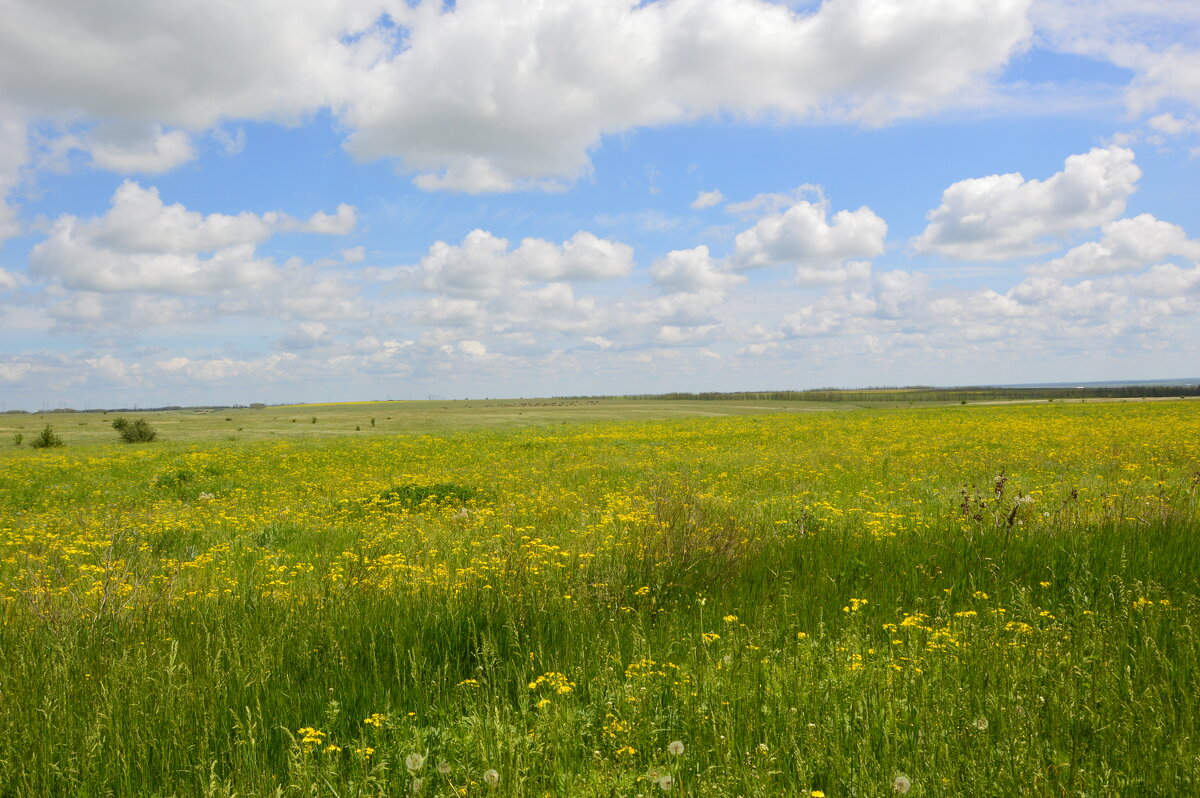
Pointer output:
x,y
443,767
901,785
675,747
665,783
414,761
491,777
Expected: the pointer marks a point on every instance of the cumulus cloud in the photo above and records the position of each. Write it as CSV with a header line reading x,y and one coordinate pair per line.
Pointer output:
x,y
474,348
707,199
1150,38
138,148
142,244
1124,245
692,270
14,154
306,335
458,93
899,310
463,104
224,369
341,222
148,62
1171,125
691,309
1006,216
485,265
803,236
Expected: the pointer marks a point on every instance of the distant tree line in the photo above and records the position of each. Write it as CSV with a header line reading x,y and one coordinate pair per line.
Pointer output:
x,y
920,393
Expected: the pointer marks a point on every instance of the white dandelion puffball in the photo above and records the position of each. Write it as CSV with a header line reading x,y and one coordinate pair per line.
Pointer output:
x,y
675,747
901,785
414,761
491,778
665,783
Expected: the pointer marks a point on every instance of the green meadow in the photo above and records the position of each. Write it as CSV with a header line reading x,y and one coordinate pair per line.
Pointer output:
x,y
604,598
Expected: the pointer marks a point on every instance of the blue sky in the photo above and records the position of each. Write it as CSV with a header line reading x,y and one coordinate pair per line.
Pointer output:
x,y
381,199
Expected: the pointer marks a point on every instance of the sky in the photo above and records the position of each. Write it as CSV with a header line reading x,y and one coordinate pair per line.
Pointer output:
x,y
236,201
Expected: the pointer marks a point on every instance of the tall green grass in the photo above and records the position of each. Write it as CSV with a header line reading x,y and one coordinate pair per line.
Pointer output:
x,y
790,652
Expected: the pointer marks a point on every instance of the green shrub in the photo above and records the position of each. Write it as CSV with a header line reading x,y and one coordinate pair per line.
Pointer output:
x,y
46,440
414,497
17,438
138,431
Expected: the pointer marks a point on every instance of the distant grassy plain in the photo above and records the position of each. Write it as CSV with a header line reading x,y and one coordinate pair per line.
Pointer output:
x,y
391,418
604,597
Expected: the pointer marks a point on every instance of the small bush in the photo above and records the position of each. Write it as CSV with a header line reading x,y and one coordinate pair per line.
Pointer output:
x,y
17,438
414,497
138,431
46,440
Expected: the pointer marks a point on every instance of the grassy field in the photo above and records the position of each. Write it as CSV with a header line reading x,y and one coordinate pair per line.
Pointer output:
x,y
365,419
605,598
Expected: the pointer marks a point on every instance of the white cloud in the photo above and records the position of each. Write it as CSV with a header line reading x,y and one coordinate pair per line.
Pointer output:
x,y
141,244
484,265
139,221
1170,74
692,270
1006,216
79,263
804,237
306,335
459,93
443,311
1163,280
673,335
707,199
147,149
14,154
899,312
8,280
850,271
465,103
776,201
305,296
471,175
14,370
1171,125
474,348
226,369
692,309
186,64
1150,38
1124,245
339,223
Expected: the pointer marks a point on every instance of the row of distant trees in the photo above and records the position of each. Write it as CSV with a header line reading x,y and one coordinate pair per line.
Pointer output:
x,y
928,394
136,431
